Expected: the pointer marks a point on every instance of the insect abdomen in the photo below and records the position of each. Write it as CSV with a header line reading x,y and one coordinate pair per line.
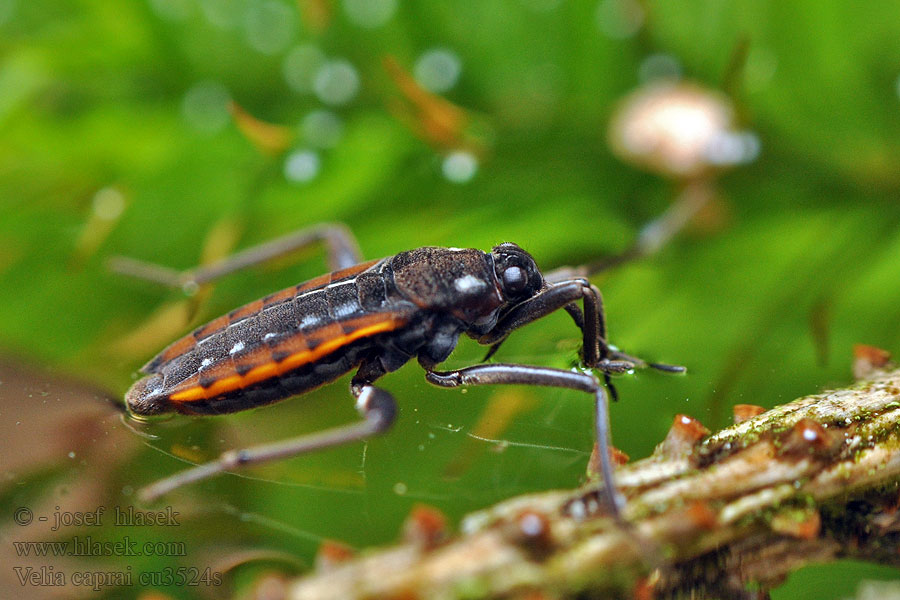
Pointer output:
x,y
284,344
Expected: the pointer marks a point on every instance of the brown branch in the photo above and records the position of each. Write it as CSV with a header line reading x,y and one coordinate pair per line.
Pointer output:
x,y
809,481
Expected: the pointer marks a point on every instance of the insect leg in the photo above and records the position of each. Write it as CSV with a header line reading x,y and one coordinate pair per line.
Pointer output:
x,y
596,351
545,376
376,406
548,300
610,359
341,246
564,294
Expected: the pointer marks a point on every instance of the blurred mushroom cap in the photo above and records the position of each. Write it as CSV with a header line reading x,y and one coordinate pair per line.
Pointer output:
x,y
679,130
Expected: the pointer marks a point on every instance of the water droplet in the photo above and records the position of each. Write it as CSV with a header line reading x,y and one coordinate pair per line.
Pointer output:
x,y
438,70
370,13
302,166
71,455
190,288
173,10
400,488
108,203
460,166
300,66
322,128
205,106
336,82
730,148
620,19
269,26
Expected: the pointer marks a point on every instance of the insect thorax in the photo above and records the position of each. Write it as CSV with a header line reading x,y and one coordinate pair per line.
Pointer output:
x,y
457,281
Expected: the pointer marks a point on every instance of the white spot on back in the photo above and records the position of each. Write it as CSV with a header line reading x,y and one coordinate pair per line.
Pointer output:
x,y
344,310
205,363
309,321
469,284
236,348
269,336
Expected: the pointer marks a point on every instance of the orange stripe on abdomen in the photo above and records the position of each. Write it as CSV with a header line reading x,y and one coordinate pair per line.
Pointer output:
x,y
187,343
367,326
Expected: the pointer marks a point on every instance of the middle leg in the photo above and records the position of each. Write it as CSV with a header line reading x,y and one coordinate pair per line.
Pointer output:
x,y
500,374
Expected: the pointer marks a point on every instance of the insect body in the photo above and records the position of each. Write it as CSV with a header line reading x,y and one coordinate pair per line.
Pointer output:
x,y
373,317
378,314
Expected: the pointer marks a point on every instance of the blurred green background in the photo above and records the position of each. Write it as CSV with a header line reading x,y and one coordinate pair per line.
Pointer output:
x,y
420,123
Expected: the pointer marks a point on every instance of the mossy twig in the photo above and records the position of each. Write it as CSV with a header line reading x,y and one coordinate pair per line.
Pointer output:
x,y
714,515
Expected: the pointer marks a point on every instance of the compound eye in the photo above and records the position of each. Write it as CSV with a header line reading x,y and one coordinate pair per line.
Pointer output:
x,y
514,280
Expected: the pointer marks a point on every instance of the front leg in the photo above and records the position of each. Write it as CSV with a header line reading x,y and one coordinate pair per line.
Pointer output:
x,y
597,353
550,299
